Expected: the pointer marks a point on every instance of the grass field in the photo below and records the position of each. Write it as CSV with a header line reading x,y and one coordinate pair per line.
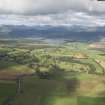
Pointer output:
x,y
76,78
64,92
7,89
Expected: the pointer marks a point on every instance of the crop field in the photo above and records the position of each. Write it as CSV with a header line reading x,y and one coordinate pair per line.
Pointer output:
x,y
35,72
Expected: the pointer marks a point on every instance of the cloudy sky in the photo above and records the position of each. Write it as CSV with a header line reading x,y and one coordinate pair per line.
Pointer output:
x,y
52,12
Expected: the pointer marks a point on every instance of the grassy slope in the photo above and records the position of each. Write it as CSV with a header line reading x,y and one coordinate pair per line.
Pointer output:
x,y
64,92
44,92
9,69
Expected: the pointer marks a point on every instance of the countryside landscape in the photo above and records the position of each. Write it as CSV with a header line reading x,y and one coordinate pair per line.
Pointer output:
x,y
52,52
36,72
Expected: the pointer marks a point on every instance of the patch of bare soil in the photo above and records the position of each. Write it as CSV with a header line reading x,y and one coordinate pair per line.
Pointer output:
x,y
5,75
97,45
80,56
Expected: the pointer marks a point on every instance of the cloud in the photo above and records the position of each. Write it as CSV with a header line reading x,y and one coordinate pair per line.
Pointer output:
x,y
33,7
52,12
62,19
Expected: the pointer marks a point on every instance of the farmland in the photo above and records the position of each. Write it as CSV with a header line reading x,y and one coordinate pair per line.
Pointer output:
x,y
64,73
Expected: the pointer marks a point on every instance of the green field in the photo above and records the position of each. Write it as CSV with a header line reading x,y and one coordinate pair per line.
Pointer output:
x,y
55,92
7,90
62,74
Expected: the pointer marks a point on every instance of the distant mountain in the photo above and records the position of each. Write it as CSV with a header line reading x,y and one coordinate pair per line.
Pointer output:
x,y
53,32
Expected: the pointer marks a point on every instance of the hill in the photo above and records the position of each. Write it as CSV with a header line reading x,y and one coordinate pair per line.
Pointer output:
x,y
75,33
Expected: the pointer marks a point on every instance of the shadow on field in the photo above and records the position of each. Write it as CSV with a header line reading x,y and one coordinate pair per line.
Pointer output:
x,y
4,64
49,89
87,100
72,85
64,91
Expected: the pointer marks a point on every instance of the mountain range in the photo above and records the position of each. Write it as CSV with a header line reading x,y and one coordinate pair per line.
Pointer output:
x,y
76,33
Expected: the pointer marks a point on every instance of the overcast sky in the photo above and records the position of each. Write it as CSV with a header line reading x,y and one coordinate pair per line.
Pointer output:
x,y
52,12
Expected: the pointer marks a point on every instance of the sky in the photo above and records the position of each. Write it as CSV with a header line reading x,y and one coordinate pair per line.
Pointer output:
x,y
89,13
